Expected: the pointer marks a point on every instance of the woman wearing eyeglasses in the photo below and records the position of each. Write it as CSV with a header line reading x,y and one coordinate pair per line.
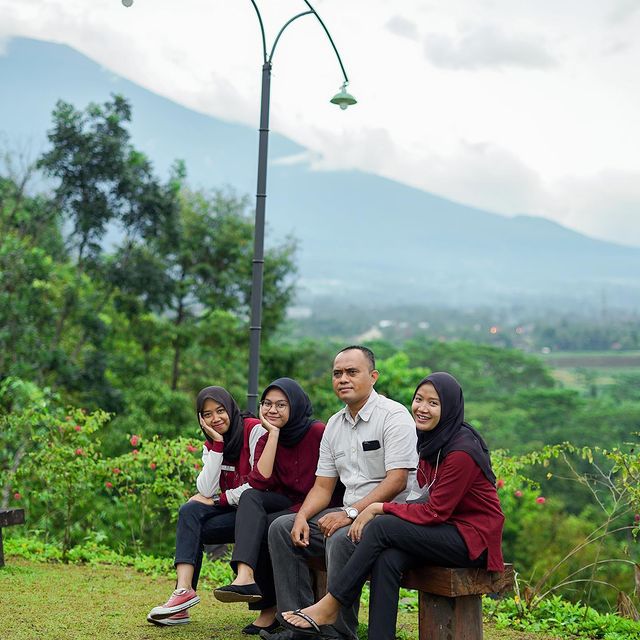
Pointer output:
x,y
287,457
455,521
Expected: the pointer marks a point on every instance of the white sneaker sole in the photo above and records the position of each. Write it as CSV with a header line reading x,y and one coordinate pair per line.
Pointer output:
x,y
168,622
161,613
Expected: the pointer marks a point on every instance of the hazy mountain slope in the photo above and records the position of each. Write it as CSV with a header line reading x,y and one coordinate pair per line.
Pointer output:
x,y
359,234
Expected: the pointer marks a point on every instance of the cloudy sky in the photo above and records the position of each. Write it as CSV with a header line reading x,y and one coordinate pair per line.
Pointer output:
x,y
517,107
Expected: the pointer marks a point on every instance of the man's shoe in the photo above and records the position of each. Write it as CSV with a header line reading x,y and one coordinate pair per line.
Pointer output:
x,y
180,600
238,593
177,618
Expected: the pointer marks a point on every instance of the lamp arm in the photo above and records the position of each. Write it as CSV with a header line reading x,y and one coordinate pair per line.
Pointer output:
x,y
264,38
286,24
333,44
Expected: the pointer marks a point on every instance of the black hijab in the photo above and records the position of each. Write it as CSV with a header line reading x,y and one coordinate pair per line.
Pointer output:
x,y
300,411
234,436
452,433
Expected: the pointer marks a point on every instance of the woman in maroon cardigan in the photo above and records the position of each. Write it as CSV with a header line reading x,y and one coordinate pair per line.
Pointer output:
x,y
454,521
284,472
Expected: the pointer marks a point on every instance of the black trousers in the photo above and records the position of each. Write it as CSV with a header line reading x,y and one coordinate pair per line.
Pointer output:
x,y
256,511
200,524
388,547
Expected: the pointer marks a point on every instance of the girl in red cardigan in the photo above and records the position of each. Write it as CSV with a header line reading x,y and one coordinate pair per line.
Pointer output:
x,y
455,519
284,472
228,456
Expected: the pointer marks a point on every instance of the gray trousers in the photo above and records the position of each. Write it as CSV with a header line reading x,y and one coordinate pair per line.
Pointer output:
x,y
292,575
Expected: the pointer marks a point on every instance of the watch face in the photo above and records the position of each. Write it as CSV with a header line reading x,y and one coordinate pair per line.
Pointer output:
x,y
352,512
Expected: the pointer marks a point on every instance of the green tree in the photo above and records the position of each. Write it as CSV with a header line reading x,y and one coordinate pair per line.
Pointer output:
x,y
202,264
102,178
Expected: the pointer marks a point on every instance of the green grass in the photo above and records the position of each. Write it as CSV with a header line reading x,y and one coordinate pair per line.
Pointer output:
x,y
40,601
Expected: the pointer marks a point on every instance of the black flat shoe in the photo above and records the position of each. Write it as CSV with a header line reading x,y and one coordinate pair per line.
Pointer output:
x,y
254,629
238,593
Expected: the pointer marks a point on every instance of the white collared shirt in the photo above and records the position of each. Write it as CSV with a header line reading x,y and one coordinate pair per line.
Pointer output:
x,y
360,451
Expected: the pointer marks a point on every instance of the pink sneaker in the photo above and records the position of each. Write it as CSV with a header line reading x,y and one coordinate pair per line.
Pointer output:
x,y
180,600
177,618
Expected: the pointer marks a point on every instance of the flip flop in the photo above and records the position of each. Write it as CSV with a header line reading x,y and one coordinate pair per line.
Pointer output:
x,y
314,630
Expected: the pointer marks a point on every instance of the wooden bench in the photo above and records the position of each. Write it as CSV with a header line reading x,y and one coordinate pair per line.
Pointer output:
x,y
449,600
9,517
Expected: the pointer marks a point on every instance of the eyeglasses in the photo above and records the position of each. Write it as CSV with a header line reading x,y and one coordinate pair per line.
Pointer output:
x,y
280,406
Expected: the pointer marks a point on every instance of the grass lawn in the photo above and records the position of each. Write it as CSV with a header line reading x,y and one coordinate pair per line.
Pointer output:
x,y
68,602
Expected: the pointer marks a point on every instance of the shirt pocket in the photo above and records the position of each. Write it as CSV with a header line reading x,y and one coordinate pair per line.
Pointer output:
x,y
340,461
373,462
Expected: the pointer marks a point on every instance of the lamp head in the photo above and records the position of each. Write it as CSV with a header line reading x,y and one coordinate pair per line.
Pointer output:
x,y
127,3
342,98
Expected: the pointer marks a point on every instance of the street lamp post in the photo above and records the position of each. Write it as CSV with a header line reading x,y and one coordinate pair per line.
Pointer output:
x,y
343,100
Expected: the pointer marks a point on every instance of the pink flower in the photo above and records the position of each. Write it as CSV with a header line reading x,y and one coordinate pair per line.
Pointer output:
x,y
108,484
116,471
78,428
153,466
79,452
191,448
541,499
518,493
196,465
636,518
135,452
17,496
500,483
134,440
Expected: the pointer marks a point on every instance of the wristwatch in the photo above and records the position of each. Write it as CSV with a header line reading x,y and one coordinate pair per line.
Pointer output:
x,y
351,512
216,499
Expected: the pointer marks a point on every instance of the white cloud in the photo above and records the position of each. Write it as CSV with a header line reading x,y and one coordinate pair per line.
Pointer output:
x,y
554,133
486,47
601,205
402,27
622,10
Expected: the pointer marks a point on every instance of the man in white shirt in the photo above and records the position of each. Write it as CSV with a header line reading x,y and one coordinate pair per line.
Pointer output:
x,y
370,446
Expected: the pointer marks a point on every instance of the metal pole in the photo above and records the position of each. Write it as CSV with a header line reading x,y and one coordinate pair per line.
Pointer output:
x,y
255,327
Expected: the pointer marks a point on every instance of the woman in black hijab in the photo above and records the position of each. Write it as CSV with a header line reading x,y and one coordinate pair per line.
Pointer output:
x,y
455,519
286,461
209,516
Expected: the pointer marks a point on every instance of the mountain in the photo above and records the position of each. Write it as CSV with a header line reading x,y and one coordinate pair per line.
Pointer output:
x,y
362,237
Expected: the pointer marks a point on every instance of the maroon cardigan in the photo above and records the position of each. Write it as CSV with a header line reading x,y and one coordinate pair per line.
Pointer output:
x,y
294,468
462,496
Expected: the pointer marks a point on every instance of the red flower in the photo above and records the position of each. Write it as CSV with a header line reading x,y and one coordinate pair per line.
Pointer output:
x,y
78,428
116,471
541,499
79,452
135,452
518,493
196,465
108,484
134,440
191,448
153,466
500,483
17,496
636,518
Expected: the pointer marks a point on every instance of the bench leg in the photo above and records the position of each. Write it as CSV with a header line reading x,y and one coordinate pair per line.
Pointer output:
x,y
1,550
443,618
